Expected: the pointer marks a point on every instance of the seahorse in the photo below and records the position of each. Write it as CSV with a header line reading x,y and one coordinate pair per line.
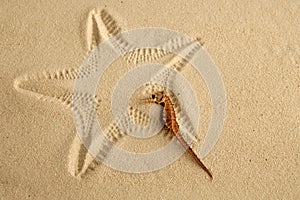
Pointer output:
x,y
172,125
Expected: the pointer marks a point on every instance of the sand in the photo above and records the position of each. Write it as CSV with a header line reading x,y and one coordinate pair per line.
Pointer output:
x,y
256,47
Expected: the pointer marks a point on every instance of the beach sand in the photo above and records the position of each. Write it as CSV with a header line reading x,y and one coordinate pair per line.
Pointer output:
x,y
256,47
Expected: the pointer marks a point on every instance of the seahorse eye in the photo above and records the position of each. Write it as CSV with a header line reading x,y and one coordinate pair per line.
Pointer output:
x,y
153,96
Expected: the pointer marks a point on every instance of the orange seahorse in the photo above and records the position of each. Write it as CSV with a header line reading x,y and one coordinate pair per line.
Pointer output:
x,y
171,123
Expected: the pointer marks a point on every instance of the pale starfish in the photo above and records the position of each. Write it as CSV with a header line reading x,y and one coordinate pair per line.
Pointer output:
x,y
100,26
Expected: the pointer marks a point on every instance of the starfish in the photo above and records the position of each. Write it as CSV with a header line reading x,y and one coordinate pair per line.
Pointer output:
x,y
100,27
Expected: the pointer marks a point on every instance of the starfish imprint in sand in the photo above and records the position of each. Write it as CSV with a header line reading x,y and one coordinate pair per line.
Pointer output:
x,y
100,27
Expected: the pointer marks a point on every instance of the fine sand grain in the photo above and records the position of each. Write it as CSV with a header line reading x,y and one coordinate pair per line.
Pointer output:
x,y
256,47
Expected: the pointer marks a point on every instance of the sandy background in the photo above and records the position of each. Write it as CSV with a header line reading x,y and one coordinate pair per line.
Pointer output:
x,y
256,46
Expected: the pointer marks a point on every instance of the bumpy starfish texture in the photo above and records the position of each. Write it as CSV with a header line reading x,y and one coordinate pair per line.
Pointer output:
x,y
100,27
